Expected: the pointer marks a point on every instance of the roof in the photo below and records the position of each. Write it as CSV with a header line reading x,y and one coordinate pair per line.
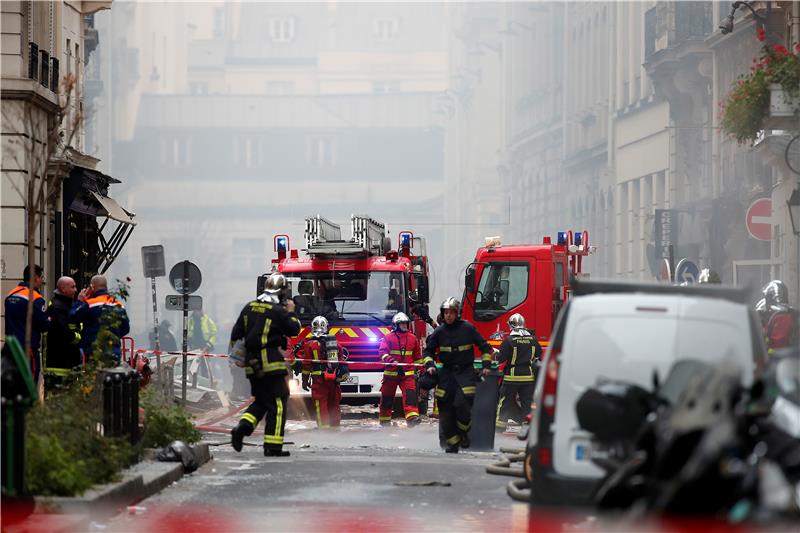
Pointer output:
x,y
742,295
507,250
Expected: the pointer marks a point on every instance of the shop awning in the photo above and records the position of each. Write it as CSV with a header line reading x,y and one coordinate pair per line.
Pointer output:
x,y
111,209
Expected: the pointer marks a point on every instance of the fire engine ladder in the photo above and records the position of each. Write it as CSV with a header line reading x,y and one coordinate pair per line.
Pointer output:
x,y
368,233
321,230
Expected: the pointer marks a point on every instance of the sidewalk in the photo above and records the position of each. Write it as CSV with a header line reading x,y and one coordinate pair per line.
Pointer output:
x,y
142,480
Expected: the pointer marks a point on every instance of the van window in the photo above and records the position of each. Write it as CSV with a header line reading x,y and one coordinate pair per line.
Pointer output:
x,y
503,286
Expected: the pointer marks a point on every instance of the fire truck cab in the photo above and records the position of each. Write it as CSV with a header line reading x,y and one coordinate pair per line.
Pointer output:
x,y
358,285
530,279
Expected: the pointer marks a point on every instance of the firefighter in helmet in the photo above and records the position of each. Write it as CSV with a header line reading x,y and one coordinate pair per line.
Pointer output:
x,y
453,343
399,350
265,325
323,372
520,352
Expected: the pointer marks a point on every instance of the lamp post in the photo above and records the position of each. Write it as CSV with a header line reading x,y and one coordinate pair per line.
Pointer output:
x,y
793,204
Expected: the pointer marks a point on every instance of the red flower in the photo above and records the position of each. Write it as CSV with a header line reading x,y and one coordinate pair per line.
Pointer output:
x,y
761,33
780,49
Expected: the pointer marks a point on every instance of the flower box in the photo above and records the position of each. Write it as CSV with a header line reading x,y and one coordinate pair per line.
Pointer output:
x,y
780,103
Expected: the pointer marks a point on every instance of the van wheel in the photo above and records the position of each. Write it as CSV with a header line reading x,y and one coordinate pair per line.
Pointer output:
x,y
527,466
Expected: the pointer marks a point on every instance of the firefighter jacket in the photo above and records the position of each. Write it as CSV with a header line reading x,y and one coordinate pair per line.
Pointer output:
x,y
317,352
101,310
62,342
519,353
264,324
454,344
399,347
16,311
203,337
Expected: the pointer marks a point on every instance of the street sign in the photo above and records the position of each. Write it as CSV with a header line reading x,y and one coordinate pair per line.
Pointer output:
x,y
194,277
666,232
759,219
153,261
686,271
174,302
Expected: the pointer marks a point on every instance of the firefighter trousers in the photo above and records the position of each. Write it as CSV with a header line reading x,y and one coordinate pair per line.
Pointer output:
x,y
408,388
271,394
455,393
326,395
510,394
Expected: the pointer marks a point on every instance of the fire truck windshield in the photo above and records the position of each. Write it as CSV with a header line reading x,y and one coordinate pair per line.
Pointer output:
x,y
348,296
502,286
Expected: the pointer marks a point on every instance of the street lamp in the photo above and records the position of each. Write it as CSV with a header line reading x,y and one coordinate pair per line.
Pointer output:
x,y
793,203
727,25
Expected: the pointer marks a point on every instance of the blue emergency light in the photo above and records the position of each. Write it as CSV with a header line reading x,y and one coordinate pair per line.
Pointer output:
x,y
281,243
562,238
578,238
405,239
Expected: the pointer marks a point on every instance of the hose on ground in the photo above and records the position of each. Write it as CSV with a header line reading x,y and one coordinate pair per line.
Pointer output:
x,y
503,467
517,490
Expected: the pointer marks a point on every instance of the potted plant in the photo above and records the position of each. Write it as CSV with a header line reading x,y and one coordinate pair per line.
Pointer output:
x,y
770,89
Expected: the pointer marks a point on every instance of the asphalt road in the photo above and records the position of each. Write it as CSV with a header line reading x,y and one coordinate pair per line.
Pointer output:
x,y
345,480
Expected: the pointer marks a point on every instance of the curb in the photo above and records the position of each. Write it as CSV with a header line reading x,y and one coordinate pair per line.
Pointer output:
x,y
138,482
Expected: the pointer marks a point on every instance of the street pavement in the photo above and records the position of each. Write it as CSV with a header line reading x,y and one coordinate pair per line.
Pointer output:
x,y
337,480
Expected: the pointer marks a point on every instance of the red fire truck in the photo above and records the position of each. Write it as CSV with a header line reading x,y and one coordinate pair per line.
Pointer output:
x,y
358,285
530,279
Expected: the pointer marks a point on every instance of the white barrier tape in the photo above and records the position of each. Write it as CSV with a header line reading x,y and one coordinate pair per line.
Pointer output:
x,y
323,361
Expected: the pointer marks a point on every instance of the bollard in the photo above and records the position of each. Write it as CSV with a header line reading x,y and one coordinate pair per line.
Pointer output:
x,y
116,405
125,403
107,405
134,407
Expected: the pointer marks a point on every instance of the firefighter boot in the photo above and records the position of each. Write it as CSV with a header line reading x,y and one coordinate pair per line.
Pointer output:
x,y
451,448
239,433
413,421
464,440
275,452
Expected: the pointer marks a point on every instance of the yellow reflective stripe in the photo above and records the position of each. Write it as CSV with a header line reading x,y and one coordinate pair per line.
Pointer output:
x,y
265,333
397,352
427,360
385,331
62,372
278,421
306,372
268,439
518,379
468,390
440,393
389,373
411,414
247,417
315,354
419,361
499,408
513,360
316,372
350,333
369,333
409,372
445,349
454,440
486,357
464,347
278,365
464,427
383,418
319,414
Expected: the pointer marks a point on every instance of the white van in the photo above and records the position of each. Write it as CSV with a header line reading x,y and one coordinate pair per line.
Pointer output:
x,y
624,331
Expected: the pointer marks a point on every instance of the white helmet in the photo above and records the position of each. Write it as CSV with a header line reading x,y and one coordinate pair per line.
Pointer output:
x,y
319,326
516,321
275,283
398,319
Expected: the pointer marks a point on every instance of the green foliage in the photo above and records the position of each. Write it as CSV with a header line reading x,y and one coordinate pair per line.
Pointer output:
x,y
747,105
65,452
165,421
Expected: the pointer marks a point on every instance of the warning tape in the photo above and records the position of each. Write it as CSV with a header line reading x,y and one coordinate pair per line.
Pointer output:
x,y
349,363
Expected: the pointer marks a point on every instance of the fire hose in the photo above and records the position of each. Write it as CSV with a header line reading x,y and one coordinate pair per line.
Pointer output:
x,y
515,488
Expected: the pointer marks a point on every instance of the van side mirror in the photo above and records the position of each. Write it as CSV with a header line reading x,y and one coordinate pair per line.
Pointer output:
x,y
469,279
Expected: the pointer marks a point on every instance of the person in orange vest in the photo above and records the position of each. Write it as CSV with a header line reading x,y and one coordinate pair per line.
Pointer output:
x,y
324,370
16,312
399,346
95,309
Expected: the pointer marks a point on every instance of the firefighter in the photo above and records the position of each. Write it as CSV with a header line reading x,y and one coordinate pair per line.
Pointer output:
x,y
323,368
400,346
265,325
16,313
454,342
98,310
203,337
61,352
520,351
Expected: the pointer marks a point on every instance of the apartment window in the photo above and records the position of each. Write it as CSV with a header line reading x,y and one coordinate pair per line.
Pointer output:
x,y
281,30
218,28
248,256
381,87
386,29
321,152
279,87
181,152
244,151
69,57
198,87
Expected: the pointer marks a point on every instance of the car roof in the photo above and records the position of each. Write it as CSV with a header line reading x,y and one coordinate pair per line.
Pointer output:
x,y
674,305
582,287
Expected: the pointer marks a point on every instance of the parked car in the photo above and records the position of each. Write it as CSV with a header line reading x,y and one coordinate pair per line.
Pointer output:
x,y
625,331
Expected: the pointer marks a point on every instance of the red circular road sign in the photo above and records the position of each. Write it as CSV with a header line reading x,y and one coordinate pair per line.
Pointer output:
x,y
759,219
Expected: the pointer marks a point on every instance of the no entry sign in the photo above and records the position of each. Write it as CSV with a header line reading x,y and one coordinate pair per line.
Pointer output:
x,y
759,219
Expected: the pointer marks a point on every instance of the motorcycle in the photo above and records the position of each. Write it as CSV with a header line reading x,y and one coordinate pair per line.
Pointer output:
x,y
698,444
